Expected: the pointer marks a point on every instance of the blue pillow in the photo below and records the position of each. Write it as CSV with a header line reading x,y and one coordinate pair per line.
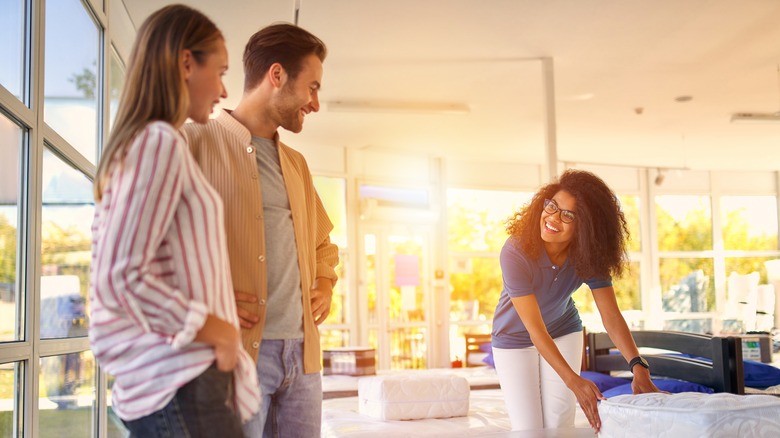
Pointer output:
x,y
760,375
669,385
487,347
603,381
757,374
488,359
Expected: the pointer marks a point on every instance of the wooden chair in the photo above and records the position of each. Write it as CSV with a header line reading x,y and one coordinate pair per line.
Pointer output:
x,y
473,343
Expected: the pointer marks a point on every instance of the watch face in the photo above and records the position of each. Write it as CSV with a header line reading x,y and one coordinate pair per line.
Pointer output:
x,y
638,361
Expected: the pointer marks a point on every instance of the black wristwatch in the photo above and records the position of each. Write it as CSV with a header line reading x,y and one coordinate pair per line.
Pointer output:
x,y
639,360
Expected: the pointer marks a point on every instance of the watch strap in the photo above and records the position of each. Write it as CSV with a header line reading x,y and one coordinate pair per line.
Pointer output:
x,y
639,360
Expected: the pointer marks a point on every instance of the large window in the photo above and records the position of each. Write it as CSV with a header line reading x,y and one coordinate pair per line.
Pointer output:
x,y
476,233
697,253
684,223
336,330
66,218
117,74
71,86
749,222
10,178
628,286
686,269
750,241
11,374
12,46
66,395
52,59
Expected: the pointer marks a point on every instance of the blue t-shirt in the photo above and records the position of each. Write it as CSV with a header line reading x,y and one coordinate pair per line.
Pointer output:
x,y
552,285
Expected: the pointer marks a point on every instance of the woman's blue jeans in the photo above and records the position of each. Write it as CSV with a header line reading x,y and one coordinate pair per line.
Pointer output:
x,y
199,409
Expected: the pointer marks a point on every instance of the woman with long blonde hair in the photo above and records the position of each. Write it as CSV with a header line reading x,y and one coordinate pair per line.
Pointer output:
x,y
164,320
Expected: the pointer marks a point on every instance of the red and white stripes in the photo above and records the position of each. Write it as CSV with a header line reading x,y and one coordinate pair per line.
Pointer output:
x,y
160,266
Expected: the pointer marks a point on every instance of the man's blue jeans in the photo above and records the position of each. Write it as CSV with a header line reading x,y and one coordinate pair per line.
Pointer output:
x,y
199,409
292,401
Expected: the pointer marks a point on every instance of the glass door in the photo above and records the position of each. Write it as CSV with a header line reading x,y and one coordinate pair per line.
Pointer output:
x,y
395,301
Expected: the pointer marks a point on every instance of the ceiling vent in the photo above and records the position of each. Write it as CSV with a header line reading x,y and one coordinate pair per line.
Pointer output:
x,y
758,117
755,118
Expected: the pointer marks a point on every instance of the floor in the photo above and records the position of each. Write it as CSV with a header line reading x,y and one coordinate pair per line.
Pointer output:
x,y
547,433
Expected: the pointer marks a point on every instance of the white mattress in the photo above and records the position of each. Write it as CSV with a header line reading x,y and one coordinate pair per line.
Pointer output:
x,y
487,414
690,414
413,396
486,417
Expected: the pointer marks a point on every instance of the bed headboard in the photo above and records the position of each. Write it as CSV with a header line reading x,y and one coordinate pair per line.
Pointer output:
x,y
722,372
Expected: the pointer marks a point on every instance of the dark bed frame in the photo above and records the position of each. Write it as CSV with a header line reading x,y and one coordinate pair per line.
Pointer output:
x,y
723,374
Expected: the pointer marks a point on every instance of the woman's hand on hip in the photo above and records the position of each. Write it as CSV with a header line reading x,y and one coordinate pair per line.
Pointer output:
x,y
225,339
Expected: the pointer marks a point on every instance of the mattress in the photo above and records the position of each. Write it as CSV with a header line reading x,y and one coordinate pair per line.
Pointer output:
x,y
690,414
487,417
413,396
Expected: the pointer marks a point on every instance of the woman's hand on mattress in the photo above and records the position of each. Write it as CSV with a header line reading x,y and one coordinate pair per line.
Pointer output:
x,y
642,383
588,396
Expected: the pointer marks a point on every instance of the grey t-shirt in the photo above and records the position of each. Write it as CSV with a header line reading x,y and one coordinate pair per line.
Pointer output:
x,y
284,314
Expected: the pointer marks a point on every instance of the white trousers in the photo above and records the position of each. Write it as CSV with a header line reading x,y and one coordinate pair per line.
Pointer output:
x,y
535,396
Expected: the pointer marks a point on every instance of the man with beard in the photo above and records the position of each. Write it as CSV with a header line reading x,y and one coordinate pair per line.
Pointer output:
x,y
281,256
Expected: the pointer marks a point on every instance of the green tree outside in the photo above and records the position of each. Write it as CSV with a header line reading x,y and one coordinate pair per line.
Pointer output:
x,y
7,251
684,224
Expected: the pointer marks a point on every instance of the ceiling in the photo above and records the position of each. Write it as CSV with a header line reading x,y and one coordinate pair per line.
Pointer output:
x,y
618,68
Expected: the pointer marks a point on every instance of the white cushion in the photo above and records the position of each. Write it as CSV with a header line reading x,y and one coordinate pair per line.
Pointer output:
x,y
690,414
413,396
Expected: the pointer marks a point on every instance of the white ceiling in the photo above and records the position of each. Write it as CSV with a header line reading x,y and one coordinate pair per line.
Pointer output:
x,y
610,58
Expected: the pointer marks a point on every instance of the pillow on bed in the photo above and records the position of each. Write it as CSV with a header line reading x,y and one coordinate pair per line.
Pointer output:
x,y
669,385
488,359
760,375
603,381
757,374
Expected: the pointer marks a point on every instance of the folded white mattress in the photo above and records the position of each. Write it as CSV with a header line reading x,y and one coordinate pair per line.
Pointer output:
x,y
413,397
690,414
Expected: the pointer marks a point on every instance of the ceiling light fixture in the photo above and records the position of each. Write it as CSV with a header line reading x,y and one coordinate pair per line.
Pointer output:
x,y
296,11
660,176
397,107
755,117
758,117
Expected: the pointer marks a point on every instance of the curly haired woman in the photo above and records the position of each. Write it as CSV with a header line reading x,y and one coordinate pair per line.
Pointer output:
x,y
572,232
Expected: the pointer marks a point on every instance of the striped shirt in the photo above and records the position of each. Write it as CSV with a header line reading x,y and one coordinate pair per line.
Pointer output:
x,y
159,267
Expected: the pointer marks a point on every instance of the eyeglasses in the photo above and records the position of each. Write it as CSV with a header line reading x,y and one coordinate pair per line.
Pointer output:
x,y
551,207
